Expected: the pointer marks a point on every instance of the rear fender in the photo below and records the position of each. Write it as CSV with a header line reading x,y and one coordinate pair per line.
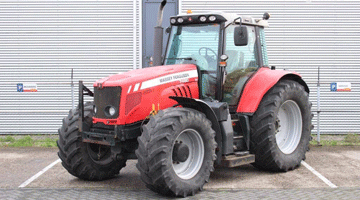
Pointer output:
x,y
206,109
262,81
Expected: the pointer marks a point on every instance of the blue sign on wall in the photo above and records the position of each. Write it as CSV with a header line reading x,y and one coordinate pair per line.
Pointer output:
x,y
333,87
20,87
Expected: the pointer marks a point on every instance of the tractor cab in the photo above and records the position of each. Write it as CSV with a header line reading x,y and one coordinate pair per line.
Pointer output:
x,y
203,39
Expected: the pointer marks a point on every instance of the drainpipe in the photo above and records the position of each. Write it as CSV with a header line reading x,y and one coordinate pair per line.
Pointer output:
x,y
158,36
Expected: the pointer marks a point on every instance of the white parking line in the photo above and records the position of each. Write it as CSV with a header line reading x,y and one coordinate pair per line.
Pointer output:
x,y
27,182
329,183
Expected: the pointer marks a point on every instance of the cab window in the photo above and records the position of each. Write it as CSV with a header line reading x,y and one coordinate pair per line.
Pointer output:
x,y
197,44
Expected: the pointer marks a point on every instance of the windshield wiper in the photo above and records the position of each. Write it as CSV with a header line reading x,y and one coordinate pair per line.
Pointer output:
x,y
188,58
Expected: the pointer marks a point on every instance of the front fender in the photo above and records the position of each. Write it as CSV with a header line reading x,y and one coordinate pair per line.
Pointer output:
x,y
261,82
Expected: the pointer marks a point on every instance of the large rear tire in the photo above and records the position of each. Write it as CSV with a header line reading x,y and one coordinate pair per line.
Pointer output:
x,y
176,152
85,160
281,127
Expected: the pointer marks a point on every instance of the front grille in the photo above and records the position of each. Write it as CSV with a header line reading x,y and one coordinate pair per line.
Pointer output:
x,y
108,96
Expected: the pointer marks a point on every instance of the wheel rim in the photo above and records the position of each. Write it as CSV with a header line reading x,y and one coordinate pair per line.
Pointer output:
x,y
288,127
98,153
191,166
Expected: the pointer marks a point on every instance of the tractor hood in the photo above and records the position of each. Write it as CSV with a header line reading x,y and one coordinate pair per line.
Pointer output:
x,y
148,77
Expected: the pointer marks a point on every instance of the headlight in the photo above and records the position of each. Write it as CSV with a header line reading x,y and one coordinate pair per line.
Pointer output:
x,y
180,20
110,110
212,18
172,20
202,18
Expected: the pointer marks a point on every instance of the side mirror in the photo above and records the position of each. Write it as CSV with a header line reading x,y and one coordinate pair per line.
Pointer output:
x,y
240,36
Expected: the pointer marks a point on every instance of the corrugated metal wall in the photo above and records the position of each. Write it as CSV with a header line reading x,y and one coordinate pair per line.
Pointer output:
x,y
303,36
41,41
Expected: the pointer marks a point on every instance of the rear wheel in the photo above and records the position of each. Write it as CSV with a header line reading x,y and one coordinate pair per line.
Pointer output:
x,y
281,127
85,160
176,152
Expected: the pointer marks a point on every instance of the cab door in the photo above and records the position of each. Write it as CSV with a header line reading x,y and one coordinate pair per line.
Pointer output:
x,y
241,64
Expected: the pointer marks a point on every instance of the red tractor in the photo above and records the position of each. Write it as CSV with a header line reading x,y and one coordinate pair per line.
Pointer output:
x,y
211,100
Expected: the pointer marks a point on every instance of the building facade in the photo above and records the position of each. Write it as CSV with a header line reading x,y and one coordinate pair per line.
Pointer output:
x,y
41,42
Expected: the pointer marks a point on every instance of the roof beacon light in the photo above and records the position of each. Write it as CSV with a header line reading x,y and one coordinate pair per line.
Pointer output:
x,y
180,20
266,16
189,11
212,18
202,18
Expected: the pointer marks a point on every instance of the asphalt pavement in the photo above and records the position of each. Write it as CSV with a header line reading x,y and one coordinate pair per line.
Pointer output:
x,y
253,194
340,165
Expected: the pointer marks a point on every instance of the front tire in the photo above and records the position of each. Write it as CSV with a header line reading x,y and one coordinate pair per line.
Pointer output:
x,y
281,127
85,160
176,152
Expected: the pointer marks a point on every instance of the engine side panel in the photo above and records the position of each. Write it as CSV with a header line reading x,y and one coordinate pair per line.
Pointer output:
x,y
255,89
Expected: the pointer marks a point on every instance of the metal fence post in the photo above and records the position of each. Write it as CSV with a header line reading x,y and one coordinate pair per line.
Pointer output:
x,y
318,107
72,88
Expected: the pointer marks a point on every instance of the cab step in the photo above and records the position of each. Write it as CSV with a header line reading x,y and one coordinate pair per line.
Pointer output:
x,y
238,159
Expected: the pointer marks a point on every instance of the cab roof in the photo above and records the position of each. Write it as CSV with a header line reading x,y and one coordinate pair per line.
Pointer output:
x,y
230,17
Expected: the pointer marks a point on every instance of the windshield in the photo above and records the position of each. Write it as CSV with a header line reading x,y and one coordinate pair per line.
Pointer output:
x,y
197,44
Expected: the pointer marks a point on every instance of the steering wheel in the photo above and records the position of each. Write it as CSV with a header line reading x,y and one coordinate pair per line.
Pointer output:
x,y
206,51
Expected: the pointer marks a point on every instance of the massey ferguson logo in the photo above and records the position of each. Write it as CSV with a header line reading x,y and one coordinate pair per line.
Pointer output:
x,y
175,77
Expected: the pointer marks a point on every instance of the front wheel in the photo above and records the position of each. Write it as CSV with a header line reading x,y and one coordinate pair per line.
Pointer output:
x,y
176,152
281,127
85,160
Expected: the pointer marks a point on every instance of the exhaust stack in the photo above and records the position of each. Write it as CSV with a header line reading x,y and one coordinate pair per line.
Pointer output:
x,y
158,36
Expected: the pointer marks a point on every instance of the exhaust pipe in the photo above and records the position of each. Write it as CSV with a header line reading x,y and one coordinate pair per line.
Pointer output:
x,y
158,36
